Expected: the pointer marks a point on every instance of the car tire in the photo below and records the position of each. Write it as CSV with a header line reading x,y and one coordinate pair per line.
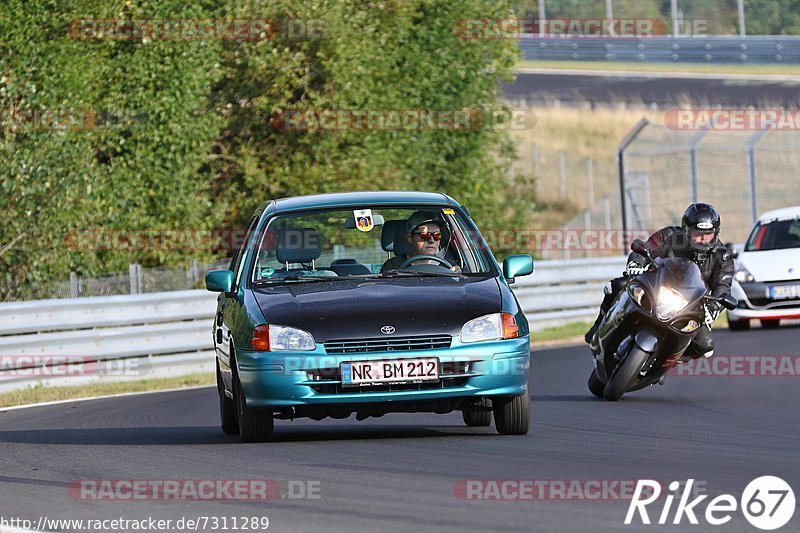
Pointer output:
x,y
512,416
255,425
596,386
227,409
625,373
479,418
738,325
770,324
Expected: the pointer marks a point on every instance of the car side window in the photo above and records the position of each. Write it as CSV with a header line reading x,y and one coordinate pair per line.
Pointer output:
x,y
241,255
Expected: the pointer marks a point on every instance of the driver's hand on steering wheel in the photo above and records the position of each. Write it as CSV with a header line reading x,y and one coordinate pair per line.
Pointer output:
x,y
456,269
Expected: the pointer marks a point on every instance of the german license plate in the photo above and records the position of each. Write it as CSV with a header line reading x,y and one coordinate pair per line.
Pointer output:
x,y
386,371
782,292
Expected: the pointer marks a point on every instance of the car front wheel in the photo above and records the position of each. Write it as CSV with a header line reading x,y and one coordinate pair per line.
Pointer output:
x,y
512,416
227,409
481,417
254,425
770,324
738,325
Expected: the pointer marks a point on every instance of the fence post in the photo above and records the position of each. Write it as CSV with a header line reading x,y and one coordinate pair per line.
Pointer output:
x,y
607,213
562,176
195,271
629,138
535,159
693,164
587,227
590,181
752,173
74,288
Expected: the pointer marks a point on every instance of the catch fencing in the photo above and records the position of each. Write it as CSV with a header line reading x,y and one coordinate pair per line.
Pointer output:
x,y
130,337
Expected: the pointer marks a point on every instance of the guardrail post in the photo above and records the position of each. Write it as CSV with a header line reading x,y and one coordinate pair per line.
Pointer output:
x,y
74,288
590,181
195,271
135,276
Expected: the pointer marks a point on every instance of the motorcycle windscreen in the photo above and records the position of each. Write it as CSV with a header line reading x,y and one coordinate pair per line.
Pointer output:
x,y
682,275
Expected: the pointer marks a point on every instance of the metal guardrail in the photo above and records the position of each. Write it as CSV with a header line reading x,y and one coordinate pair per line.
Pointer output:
x,y
710,49
166,334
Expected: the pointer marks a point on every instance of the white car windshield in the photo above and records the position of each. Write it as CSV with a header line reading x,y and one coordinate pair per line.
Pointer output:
x,y
775,235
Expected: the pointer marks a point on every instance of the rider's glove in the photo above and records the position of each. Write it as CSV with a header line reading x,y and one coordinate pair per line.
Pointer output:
x,y
634,269
713,310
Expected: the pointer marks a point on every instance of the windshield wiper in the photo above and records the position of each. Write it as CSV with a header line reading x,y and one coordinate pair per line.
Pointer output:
x,y
394,273
294,279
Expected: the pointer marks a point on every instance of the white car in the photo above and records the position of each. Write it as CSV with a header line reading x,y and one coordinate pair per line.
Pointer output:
x,y
767,280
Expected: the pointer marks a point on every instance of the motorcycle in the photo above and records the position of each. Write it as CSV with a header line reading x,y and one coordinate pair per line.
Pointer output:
x,y
650,325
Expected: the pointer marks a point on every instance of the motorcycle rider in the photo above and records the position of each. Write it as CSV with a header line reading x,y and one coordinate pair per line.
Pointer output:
x,y
697,239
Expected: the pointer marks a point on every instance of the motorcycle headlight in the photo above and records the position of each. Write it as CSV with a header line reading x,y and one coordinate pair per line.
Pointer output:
x,y
743,275
490,327
670,302
269,337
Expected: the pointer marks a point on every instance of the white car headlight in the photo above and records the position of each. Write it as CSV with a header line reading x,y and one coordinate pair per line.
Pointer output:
x,y
743,275
290,339
490,327
670,302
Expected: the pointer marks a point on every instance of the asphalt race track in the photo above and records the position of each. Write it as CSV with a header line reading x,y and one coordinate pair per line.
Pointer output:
x,y
671,91
398,473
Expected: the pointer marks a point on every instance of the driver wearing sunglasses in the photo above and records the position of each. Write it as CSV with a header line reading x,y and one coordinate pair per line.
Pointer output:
x,y
424,234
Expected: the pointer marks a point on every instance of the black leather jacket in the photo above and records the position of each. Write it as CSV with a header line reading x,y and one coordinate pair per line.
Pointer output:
x,y
716,266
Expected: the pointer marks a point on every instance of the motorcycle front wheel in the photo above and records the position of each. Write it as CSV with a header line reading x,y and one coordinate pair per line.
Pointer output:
x,y
625,373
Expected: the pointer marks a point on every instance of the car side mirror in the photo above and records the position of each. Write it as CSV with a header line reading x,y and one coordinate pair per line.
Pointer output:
x,y
517,265
219,281
640,247
728,301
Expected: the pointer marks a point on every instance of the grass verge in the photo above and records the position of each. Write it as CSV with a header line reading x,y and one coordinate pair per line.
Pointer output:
x,y
40,393
700,68
563,332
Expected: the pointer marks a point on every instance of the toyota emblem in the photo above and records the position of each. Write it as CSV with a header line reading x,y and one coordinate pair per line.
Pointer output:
x,y
388,330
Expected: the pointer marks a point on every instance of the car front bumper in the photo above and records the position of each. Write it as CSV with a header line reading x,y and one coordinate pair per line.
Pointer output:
x,y
754,303
291,379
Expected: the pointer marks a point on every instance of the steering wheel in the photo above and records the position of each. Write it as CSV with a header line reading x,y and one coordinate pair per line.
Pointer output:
x,y
444,262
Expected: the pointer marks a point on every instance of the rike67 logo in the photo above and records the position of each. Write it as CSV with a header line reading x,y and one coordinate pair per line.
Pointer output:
x,y
767,503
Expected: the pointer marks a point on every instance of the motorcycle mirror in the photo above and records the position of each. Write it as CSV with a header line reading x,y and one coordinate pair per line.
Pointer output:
x,y
728,301
640,247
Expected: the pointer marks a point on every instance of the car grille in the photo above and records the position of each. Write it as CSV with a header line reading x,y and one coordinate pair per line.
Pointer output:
x,y
390,344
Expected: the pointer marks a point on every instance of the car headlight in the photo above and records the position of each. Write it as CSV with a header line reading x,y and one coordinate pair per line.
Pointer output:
x,y
670,302
269,337
490,327
743,275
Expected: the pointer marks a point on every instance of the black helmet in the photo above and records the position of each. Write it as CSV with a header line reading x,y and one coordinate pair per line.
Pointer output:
x,y
701,219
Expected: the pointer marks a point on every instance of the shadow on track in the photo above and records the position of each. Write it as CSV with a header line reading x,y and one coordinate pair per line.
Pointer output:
x,y
210,435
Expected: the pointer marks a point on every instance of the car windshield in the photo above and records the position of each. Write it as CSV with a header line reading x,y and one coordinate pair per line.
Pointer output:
x,y
775,235
368,241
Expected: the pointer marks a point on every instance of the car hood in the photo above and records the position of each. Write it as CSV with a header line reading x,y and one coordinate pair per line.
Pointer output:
x,y
773,265
353,309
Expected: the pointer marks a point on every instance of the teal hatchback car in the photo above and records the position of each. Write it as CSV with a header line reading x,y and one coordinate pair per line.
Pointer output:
x,y
368,303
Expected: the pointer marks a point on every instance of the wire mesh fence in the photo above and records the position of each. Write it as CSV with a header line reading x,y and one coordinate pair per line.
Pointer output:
x,y
136,280
741,173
